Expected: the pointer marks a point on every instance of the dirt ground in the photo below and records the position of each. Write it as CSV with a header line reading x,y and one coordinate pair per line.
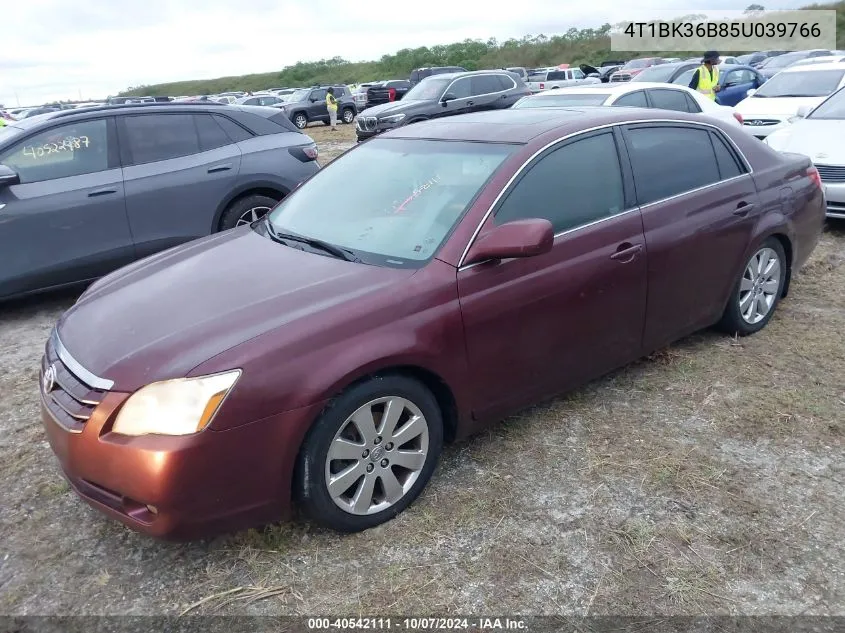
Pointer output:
x,y
707,478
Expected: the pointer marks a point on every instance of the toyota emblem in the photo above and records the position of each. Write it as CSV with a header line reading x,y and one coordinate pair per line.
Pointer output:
x,y
48,380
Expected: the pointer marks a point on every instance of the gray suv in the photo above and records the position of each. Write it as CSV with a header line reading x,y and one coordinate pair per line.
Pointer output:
x,y
83,192
444,95
309,104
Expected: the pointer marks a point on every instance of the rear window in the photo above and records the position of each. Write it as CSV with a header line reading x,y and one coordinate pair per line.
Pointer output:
x,y
556,75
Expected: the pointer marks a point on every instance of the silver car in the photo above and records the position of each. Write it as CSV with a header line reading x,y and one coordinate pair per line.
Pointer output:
x,y
819,133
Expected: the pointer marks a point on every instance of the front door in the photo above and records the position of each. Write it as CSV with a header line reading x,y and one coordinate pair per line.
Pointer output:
x,y
735,86
460,98
66,220
179,167
537,326
699,206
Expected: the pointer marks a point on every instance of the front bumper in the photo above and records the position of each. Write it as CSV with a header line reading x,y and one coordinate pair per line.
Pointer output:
x,y
178,487
835,196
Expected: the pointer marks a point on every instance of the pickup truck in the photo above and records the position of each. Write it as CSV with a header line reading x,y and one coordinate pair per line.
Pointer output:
x,y
552,78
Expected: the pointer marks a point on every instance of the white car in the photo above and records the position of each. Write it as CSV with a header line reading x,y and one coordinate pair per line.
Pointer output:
x,y
776,102
638,94
820,134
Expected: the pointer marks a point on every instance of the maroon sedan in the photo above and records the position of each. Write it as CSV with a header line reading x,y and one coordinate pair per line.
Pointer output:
x,y
428,282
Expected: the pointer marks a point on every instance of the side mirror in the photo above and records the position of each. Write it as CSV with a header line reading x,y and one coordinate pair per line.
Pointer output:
x,y
804,111
447,98
520,238
730,84
750,92
8,176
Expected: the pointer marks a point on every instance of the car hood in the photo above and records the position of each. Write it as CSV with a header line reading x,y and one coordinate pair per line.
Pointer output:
x,y
395,107
160,317
783,106
819,139
588,70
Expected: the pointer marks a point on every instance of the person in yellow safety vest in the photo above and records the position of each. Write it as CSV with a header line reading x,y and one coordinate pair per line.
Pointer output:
x,y
331,104
706,78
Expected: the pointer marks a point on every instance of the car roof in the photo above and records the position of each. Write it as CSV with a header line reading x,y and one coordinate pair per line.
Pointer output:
x,y
809,68
468,73
521,126
608,88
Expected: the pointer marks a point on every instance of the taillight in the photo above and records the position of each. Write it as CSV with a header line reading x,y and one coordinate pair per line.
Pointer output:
x,y
304,153
738,117
542,86
391,94
813,174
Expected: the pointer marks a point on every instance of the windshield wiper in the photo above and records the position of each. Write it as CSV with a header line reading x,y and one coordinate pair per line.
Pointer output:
x,y
796,96
331,249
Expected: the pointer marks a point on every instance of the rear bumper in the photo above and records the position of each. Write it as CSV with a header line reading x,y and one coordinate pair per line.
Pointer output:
x,y
182,487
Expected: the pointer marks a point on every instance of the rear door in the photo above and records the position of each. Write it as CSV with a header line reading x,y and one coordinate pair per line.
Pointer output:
x,y
486,92
178,169
66,220
540,325
699,207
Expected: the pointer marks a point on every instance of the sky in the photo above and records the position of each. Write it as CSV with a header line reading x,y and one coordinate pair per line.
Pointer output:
x,y
72,49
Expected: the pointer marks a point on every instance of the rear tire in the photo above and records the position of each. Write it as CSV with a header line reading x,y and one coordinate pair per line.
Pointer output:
x,y
347,116
375,473
758,290
246,210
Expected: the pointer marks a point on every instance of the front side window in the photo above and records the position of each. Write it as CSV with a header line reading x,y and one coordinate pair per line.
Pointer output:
x,y
318,95
670,160
428,89
832,108
401,197
461,88
578,74
156,137
60,152
571,186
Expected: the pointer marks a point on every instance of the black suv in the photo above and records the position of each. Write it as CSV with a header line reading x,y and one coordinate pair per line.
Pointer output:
x,y
309,104
444,95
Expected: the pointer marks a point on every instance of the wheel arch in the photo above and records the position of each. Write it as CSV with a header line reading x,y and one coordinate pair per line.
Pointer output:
x,y
261,188
788,251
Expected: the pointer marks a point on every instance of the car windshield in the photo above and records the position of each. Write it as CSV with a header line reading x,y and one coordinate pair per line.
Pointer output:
x,y
299,95
809,83
831,108
782,61
561,100
660,74
684,78
745,59
637,63
395,217
428,89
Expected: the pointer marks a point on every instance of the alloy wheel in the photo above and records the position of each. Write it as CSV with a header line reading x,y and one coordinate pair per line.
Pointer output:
x,y
377,455
300,121
759,287
348,116
252,215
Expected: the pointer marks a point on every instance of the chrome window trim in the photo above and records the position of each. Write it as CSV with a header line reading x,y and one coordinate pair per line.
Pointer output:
x,y
476,96
530,159
95,382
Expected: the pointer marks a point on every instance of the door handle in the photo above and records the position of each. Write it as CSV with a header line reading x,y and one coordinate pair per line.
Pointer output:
x,y
469,103
626,252
743,208
216,168
101,192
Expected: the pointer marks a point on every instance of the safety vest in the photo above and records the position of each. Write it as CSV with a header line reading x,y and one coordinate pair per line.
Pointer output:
x,y
706,83
331,102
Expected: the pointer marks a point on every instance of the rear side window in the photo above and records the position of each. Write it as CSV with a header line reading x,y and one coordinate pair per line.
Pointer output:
x,y
729,167
633,100
211,134
235,131
670,160
154,137
691,104
669,100
485,84
571,186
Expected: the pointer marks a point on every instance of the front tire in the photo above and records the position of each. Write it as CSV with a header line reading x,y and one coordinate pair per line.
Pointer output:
x,y
757,291
370,454
300,120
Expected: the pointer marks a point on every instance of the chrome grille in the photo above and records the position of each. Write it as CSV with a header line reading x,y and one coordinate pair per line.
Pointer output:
x,y
367,123
68,399
758,122
831,173
623,77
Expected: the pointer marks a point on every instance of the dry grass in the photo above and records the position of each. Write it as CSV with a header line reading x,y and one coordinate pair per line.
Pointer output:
x,y
707,478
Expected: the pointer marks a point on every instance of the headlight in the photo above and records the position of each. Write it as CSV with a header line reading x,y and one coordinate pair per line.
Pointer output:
x,y
174,407
394,118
